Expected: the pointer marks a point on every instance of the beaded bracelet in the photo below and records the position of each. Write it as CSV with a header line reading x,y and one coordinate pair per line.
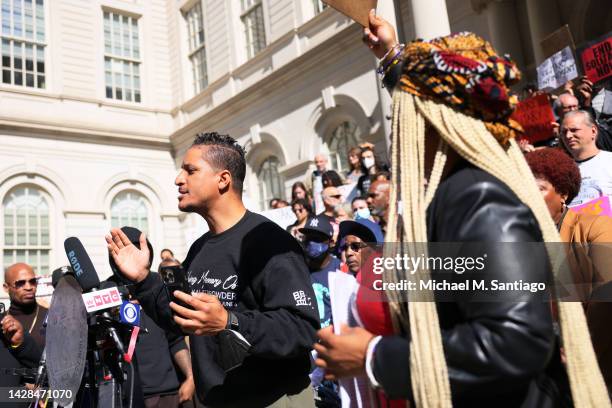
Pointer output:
x,y
386,63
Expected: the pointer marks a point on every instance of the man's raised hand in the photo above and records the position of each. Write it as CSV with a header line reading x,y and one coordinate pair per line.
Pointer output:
x,y
133,263
13,330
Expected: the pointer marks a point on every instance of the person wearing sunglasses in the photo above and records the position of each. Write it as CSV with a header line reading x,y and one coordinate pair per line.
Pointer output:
x,y
302,210
356,237
317,243
20,283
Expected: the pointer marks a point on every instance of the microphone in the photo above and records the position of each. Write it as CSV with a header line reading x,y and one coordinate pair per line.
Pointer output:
x,y
66,343
84,271
86,275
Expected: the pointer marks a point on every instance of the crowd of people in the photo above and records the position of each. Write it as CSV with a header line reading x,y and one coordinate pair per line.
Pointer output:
x,y
362,192
261,299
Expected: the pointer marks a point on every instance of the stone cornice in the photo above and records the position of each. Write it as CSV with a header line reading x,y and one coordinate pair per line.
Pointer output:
x,y
330,48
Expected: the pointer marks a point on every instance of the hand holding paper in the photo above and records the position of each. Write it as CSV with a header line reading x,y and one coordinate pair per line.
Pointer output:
x,y
379,36
357,10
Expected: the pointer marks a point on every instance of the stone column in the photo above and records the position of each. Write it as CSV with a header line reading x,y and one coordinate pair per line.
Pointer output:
x,y
543,18
385,9
430,18
504,30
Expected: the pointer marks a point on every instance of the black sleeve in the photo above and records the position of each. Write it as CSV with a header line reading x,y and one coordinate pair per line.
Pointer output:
x,y
390,80
28,353
495,343
153,297
176,342
287,320
391,366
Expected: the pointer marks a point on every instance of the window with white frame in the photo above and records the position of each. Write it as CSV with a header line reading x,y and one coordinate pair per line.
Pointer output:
x,y
319,6
345,136
129,208
26,229
270,181
254,29
197,47
121,57
23,43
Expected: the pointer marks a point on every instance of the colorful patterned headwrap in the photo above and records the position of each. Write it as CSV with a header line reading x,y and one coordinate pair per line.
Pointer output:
x,y
464,72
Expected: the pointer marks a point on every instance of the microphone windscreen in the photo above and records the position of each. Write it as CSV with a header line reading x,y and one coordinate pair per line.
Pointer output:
x,y
84,270
66,340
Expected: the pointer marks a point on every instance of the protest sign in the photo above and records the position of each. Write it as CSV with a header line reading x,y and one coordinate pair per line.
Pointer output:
x,y
557,41
535,116
283,217
357,10
348,191
557,70
596,59
599,206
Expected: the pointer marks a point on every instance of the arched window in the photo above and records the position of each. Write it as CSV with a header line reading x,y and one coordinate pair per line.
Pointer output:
x,y
270,181
345,136
26,229
129,208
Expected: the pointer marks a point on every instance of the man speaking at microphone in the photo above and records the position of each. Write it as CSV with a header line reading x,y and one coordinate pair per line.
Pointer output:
x,y
252,313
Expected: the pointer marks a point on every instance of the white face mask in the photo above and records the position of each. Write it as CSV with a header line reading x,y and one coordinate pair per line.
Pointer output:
x,y
368,162
362,214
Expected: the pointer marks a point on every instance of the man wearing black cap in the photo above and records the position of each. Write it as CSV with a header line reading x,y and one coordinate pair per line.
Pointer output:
x,y
318,234
354,237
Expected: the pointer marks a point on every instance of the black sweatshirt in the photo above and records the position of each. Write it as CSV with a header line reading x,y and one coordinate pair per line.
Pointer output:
x,y
32,317
258,271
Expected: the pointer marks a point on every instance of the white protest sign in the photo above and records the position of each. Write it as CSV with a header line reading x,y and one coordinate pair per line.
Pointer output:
x,y
348,191
317,189
557,70
354,392
281,216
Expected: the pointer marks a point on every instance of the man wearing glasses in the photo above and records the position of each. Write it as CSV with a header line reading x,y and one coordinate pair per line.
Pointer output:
x,y
354,237
20,283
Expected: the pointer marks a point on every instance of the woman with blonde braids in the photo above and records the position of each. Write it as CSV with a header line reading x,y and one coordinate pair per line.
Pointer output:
x,y
460,177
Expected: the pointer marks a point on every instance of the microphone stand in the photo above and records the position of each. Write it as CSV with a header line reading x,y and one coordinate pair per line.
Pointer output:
x,y
105,376
41,373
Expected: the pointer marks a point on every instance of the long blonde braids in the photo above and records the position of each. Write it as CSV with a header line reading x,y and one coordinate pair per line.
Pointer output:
x,y
470,138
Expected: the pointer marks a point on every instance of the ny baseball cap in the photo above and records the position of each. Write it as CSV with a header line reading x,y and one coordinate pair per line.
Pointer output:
x,y
319,224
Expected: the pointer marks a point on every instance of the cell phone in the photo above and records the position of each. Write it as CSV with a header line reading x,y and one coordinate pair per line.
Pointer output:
x,y
174,278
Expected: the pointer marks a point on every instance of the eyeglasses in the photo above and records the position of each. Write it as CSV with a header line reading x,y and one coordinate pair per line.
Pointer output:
x,y
22,282
299,210
355,246
336,196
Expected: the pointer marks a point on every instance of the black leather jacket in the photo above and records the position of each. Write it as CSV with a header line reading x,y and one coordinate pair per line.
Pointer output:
x,y
502,353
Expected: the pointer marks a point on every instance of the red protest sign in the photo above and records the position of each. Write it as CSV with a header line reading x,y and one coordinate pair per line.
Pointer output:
x,y
597,60
535,116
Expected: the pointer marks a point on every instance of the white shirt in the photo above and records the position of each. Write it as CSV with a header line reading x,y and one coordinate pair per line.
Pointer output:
x,y
596,175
